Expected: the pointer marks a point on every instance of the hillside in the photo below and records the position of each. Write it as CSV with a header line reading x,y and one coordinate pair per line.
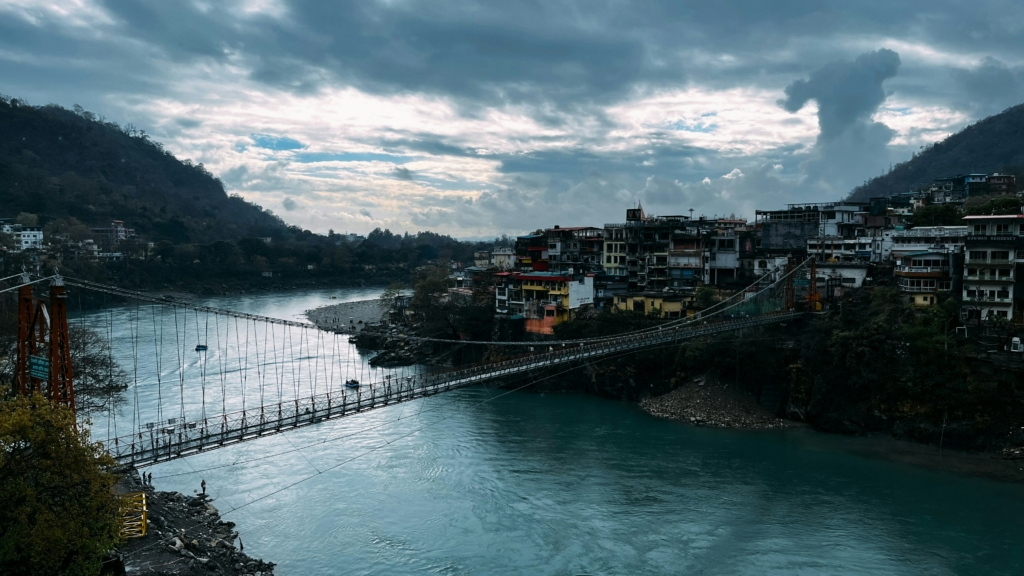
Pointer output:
x,y
995,144
58,163
69,171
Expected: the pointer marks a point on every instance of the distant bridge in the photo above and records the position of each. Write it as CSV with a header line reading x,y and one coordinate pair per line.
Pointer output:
x,y
234,376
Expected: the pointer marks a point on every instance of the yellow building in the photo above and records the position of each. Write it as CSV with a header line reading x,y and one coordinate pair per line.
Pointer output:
x,y
668,305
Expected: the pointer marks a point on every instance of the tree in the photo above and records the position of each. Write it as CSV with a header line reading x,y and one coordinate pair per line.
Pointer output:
x,y
59,513
706,297
389,298
26,219
937,215
998,205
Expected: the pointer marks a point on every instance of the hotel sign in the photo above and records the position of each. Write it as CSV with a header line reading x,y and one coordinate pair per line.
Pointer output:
x,y
1015,241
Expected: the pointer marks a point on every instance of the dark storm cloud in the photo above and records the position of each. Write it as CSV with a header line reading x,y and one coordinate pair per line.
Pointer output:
x,y
990,87
847,93
561,65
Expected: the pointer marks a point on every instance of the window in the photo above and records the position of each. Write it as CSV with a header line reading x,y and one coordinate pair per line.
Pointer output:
x,y
1003,294
549,313
1003,228
1000,255
980,228
978,255
972,293
1004,273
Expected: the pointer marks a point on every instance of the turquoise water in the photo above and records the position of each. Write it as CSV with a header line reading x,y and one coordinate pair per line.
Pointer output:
x,y
481,481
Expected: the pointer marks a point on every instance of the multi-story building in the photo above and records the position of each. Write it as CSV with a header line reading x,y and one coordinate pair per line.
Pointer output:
x,y
791,228
659,303
921,276
503,258
721,258
25,237
993,249
686,258
643,242
532,252
924,238
572,250
543,299
840,249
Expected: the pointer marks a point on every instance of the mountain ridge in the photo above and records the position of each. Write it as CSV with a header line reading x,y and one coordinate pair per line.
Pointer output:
x,y
993,144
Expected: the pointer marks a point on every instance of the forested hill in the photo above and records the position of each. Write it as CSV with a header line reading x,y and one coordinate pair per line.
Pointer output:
x,y
995,144
57,163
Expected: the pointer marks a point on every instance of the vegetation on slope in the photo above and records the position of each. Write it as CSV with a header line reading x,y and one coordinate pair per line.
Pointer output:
x,y
995,144
70,171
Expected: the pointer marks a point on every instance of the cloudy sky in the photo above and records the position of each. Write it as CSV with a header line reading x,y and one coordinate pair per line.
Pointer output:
x,y
475,118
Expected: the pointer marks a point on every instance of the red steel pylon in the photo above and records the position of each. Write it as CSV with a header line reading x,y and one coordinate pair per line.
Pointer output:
x,y
44,341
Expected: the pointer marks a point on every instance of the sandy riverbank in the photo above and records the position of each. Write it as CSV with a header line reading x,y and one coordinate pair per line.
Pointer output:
x,y
346,316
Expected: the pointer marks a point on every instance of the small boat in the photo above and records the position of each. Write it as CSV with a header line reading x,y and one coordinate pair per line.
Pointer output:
x,y
352,384
200,347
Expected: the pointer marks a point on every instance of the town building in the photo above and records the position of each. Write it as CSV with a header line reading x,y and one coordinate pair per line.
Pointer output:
x,y
532,252
655,303
924,238
542,299
790,229
993,249
921,276
639,248
503,258
573,250
481,259
24,237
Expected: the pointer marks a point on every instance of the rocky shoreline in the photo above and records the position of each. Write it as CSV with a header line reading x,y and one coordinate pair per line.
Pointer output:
x,y
708,402
185,536
348,317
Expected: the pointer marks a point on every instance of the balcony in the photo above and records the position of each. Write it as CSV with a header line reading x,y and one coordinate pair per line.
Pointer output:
x,y
968,300
989,278
991,261
920,289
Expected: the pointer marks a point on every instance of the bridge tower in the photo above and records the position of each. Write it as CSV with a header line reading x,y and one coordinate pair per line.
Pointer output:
x,y
44,345
789,285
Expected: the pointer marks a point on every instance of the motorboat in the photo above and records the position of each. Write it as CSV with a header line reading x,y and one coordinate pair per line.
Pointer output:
x,y
200,347
352,383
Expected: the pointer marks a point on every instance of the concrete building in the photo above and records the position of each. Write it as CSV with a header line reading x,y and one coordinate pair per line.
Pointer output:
x,y
639,248
24,237
791,228
543,299
924,238
481,259
992,252
921,276
532,252
574,250
503,258
664,305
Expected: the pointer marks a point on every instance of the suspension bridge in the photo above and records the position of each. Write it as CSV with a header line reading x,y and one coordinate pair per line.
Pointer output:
x,y
200,377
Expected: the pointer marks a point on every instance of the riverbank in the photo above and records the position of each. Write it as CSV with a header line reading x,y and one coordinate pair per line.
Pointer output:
x,y
708,402
347,317
185,536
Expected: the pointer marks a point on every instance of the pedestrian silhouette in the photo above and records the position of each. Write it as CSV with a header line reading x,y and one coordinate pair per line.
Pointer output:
x,y
203,486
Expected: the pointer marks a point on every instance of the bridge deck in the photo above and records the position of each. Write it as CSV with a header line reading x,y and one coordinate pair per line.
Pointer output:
x,y
159,443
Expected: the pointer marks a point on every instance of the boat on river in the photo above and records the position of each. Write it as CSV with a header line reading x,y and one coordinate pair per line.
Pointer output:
x,y
200,347
352,383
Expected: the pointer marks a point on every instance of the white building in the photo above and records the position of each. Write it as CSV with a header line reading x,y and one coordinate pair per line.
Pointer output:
x,y
503,258
924,238
25,237
993,250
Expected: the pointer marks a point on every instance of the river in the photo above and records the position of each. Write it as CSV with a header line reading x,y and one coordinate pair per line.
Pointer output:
x,y
486,481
